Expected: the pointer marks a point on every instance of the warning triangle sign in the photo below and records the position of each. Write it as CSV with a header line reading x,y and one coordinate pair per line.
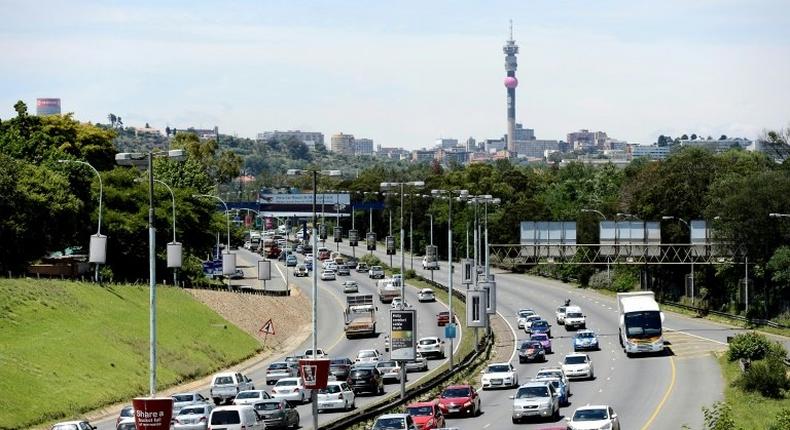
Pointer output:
x,y
267,328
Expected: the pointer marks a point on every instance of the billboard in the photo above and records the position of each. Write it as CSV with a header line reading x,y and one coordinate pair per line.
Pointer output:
x,y
370,241
303,199
548,238
338,234
402,334
390,240
353,237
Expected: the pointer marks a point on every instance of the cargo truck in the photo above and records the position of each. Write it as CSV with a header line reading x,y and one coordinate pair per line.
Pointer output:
x,y
388,289
360,316
640,323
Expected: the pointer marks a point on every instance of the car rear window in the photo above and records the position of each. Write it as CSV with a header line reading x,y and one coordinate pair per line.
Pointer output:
x,y
330,389
277,366
248,395
455,392
183,398
225,417
193,410
286,383
361,373
420,411
267,406
427,341
498,368
223,380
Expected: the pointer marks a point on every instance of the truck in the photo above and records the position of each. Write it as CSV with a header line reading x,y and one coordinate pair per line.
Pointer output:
x,y
574,318
226,385
360,316
388,289
640,323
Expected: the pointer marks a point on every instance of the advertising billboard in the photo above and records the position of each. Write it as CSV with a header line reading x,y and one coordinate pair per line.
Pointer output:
x,y
390,240
402,334
353,237
370,241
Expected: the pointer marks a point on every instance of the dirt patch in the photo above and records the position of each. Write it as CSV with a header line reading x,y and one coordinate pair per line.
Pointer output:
x,y
290,315
503,338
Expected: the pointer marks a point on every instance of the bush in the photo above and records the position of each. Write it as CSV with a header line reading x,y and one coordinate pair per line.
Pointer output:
x,y
599,280
411,274
782,420
750,346
718,417
767,376
370,260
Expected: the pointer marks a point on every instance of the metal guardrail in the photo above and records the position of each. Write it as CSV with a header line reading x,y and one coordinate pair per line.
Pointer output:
x,y
755,321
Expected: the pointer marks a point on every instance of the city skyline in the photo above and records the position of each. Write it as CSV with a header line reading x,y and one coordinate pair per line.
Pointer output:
x,y
406,74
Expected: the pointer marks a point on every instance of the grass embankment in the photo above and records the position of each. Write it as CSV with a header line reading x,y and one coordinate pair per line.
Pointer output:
x,y
69,347
749,410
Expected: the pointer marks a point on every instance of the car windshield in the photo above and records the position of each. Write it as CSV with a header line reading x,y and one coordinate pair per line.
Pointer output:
x,y
532,392
199,410
498,368
556,383
587,335
361,373
573,315
183,398
267,406
420,411
386,364
225,418
643,324
561,309
286,383
427,341
540,324
330,389
248,395
339,361
455,392
531,345
278,366
65,427
590,415
389,424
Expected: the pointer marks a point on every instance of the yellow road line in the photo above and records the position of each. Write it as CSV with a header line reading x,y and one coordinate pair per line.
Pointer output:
x,y
664,399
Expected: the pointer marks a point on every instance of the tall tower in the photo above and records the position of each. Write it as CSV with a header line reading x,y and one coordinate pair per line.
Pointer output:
x,y
511,49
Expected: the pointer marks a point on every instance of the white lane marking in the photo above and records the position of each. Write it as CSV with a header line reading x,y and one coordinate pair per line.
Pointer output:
x,y
515,337
487,426
694,335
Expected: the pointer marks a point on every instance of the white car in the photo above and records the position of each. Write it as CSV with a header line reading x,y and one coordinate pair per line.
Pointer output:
x,y
499,375
431,346
553,372
328,275
389,370
308,353
73,425
249,397
529,320
419,364
426,295
181,400
522,316
560,314
291,389
279,370
593,417
574,318
578,365
336,395
429,263
368,356
394,421
397,302
350,287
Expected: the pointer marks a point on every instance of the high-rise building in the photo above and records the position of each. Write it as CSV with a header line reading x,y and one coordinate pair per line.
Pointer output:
x,y
343,144
511,49
47,107
363,146
522,134
444,143
585,139
471,144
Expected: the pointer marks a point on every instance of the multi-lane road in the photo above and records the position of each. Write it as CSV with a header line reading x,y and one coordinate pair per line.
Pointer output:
x,y
331,302
647,392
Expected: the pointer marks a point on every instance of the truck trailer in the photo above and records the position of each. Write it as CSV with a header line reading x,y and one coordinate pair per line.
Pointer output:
x,y
360,316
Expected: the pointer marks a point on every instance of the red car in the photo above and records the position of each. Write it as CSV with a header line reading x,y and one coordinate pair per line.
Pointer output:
x,y
459,400
443,318
426,415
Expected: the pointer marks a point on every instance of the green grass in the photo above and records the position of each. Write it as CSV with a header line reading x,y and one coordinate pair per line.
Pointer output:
x,y
68,347
750,410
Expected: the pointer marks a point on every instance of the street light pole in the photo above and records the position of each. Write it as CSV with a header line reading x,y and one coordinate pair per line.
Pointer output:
x,y
101,193
608,258
172,196
126,158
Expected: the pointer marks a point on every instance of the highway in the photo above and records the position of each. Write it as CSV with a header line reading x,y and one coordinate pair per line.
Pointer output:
x,y
331,302
653,392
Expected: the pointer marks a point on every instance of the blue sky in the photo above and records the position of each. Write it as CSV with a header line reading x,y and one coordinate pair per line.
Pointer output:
x,y
405,73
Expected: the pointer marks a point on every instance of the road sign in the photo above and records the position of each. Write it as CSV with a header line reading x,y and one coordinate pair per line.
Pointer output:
x,y
475,309
322,232
267,328
370,240
315,373
449,331
402,330
467,272
264,270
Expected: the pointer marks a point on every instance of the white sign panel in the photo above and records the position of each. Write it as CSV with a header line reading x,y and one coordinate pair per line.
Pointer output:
x,y
304,199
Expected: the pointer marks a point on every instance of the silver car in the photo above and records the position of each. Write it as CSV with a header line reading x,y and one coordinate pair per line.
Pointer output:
x,y
194,417
419,364
279,370
181,400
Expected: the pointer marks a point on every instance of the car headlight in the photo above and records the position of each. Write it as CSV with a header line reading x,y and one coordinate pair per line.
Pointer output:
x,y
607,426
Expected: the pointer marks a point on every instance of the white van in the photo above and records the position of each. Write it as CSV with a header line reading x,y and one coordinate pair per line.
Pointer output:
x,y
235,417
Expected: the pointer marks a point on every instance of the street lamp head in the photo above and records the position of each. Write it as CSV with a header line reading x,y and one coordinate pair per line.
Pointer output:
x,y
127,159
667,217
331,173
416,183
496,201
463,193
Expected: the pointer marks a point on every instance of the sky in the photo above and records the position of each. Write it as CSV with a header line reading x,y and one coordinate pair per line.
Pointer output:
x,y
405,73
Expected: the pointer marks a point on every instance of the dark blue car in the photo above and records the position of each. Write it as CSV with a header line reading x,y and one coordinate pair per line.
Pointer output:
x,y
540,326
